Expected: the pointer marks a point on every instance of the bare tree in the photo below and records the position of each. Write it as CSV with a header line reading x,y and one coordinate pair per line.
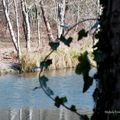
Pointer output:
x,y
17,26
38,25
12,33
47,24
61,17
26,24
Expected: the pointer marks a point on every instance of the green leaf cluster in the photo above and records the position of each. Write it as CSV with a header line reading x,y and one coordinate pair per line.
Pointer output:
x,y
82,33
73,108
46,64
84,64
54,45
66,41
84,67
87,82
60,101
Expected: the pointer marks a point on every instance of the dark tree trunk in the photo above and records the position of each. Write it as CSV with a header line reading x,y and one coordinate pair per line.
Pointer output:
x,y
107,95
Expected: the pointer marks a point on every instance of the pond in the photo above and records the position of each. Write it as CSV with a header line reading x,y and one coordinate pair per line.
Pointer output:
x,y
16,90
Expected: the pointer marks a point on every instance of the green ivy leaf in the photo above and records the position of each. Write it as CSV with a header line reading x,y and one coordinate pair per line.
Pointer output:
x,y
60,101
84,67
57,102
43,80
46,64
66,41
64,100
73,108
54,45
82,33
87,82
84,64
84,117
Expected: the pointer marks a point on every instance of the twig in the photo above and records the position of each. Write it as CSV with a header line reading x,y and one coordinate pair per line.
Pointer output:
x,y
84,20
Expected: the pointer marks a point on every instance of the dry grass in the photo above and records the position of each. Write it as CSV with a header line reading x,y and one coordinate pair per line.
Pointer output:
x,y
27,62
64,57
30,61
60,60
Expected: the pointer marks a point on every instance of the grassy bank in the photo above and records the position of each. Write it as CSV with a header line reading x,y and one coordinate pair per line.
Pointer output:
x,y
64,57
60,59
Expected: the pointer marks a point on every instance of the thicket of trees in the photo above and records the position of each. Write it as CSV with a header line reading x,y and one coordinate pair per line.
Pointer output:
x,y
44,18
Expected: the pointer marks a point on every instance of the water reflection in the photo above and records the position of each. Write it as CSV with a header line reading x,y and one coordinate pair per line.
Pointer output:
x,y
16,91
50,73
36,114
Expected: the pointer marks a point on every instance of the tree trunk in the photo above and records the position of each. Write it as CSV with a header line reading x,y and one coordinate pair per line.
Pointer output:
x,y
61,17
115,43
38,32
107,95
17,27
47,24
26,24
38,26
77,16
15,42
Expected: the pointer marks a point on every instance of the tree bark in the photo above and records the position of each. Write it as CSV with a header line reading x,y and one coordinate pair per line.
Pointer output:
x,y
77,16
47,24
14,40
61,17
26,24
17,27
107,95
115,43
38,26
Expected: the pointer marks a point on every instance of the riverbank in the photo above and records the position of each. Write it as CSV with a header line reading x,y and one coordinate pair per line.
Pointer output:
x,y
31,62
8,68
64,57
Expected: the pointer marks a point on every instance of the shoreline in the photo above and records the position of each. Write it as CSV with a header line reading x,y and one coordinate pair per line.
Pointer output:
x,y
6,68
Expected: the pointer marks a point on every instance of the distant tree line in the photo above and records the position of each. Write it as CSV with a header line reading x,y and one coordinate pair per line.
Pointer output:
x,y
49,17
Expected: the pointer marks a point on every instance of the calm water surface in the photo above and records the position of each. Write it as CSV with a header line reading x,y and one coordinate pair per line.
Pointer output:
x,y
16,91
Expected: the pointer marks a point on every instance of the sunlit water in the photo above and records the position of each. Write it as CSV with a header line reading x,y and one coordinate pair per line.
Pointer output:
x,y
16,90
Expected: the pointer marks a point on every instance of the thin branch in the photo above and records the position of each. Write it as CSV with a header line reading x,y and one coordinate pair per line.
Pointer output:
x,y
81,21
48,55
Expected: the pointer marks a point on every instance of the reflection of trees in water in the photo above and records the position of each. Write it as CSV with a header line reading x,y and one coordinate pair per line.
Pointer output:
x,y
35,114
60,72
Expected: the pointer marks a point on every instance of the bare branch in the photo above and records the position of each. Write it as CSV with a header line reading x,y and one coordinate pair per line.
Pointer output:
x,y
69,28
